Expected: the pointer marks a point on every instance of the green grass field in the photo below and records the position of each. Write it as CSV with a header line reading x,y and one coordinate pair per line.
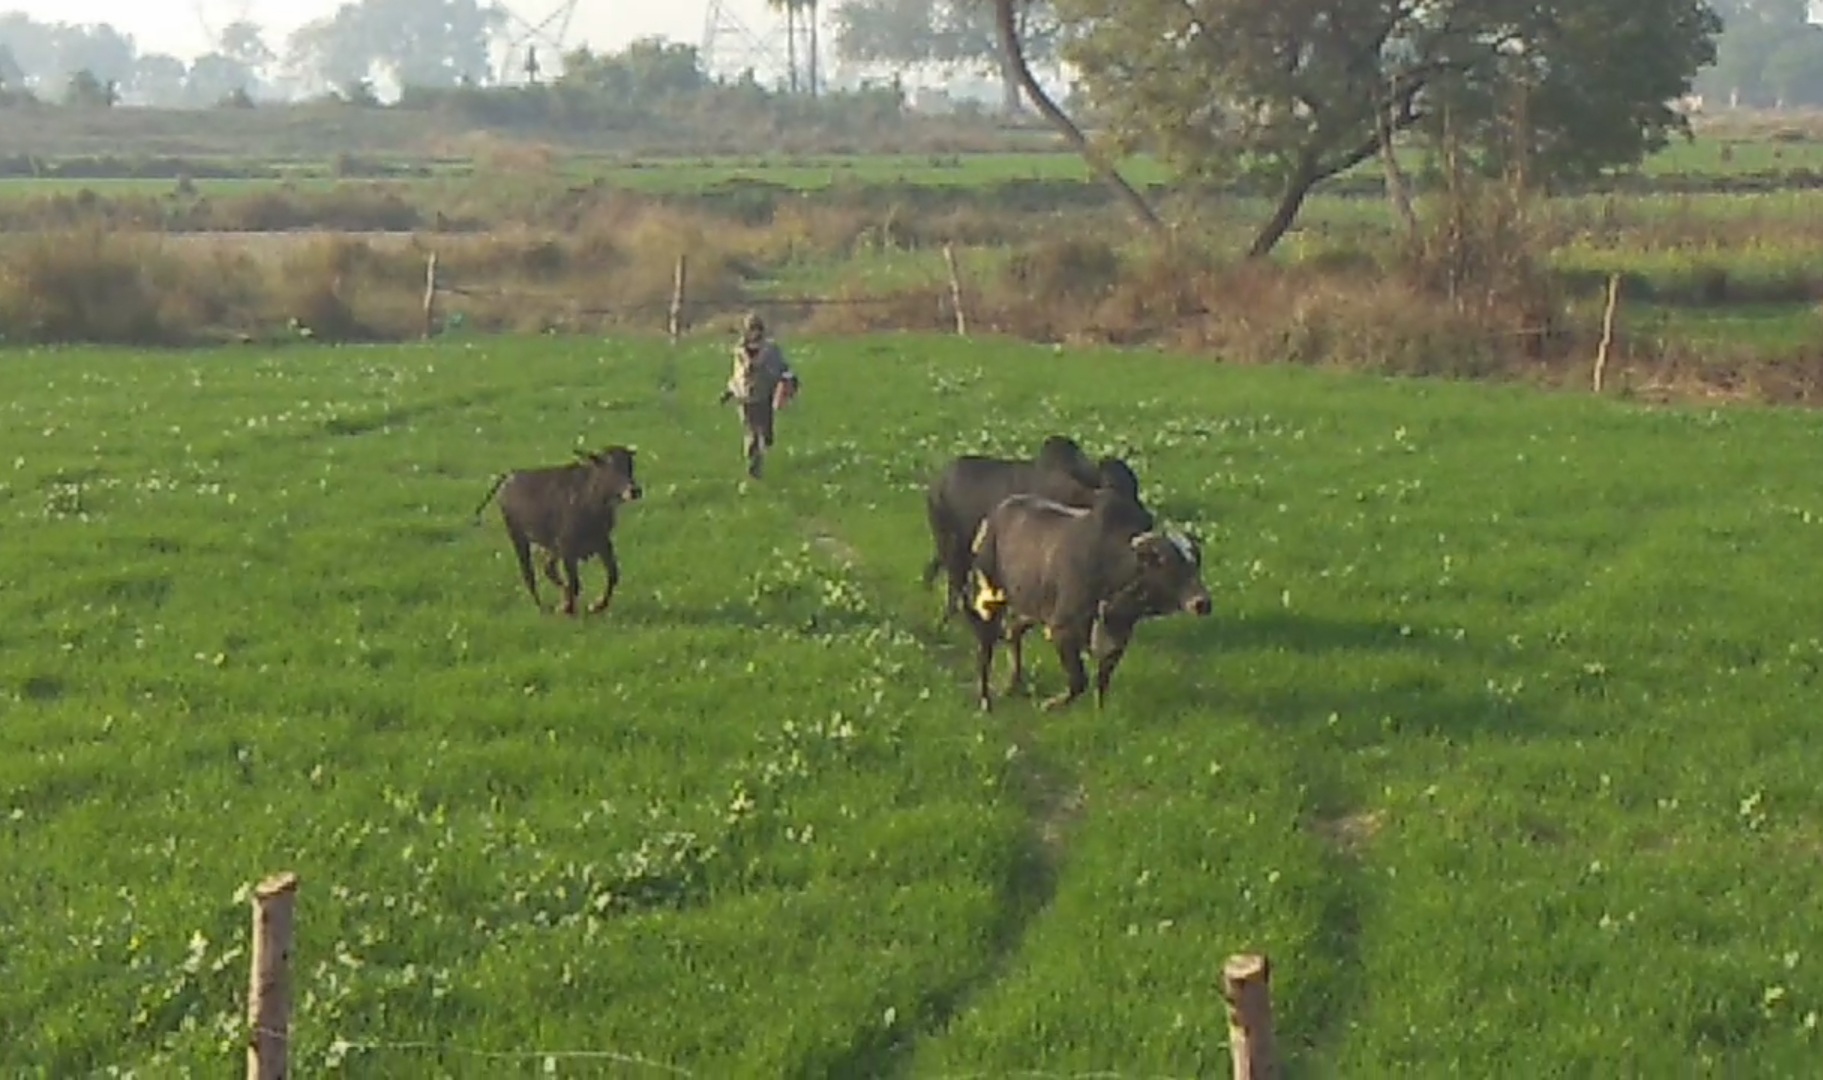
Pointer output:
x,y
1707,155
1500,742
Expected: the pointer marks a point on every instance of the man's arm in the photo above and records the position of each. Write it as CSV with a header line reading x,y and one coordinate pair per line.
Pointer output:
x,y
780,365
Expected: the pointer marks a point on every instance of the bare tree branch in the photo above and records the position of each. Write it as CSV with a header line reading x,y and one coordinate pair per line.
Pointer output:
x,y
1015,54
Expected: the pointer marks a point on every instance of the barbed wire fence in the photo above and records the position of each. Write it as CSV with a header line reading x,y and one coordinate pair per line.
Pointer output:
x,y
1245,992
677,308
952,302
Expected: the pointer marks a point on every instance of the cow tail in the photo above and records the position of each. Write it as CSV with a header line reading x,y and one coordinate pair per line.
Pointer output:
x,y
940,530
491,492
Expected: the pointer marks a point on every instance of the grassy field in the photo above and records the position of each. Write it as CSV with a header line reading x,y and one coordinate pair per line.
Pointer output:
x,y
1500,743
1711,154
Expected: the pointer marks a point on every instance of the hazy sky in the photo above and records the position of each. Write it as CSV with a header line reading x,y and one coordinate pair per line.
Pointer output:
x,y
173,25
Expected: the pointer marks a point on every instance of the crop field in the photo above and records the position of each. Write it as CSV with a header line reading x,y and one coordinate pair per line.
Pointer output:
x,y
1500,742
1713,154
1699,157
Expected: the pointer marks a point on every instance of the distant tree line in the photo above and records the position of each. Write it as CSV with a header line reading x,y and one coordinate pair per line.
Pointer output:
x,y
417,45
1769,54
432,45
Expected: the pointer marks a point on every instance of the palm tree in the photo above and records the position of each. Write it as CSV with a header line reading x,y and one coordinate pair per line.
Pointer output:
x,y
795,13
812,5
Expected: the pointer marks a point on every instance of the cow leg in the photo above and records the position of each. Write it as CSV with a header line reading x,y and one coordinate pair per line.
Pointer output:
x,y
1104,674
550,568
572,584
987,635
1069,654
612,566
1015,638
522,550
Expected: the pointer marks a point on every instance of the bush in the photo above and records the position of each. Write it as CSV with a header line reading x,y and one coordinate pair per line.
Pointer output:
x,y
1070,268
87,285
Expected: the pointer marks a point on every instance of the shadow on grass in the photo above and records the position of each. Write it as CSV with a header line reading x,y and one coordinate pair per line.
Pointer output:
x,y
1050,800
1406,703
1307,634
1335,984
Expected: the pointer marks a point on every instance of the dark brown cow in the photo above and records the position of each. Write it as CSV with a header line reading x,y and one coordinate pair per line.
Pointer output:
x,y
960,497
1087,576
568,511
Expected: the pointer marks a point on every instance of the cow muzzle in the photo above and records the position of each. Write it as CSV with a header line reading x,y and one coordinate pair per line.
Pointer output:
x,y
634,493
1199,605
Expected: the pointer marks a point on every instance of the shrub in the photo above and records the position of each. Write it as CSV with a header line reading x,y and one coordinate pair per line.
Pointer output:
x,y
1070,268
85,285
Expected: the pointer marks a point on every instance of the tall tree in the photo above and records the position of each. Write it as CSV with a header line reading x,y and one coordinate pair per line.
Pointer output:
x,y
87,91
12,75
1794,70
1007,24
438,43
245,43
216,77
647,69
157,80
948,35
331,52
1292,92
799,13
99,49
34,47
1752,32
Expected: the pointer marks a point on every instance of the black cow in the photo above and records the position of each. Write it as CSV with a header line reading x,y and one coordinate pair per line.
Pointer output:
x,y
1117,475
569,512
960,497
1087,576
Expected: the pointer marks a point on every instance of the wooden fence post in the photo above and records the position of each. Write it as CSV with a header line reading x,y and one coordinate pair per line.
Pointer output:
x,y
1607,331
955,290
677,298
1247,987
269,989
430,296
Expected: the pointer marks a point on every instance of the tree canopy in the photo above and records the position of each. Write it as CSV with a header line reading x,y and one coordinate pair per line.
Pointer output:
x,y
947,35
428,43
1291,92
1769,54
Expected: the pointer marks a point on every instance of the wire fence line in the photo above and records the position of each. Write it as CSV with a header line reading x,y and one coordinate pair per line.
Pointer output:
x,y
658,306
342,1047
1245,995
679,307
549,1058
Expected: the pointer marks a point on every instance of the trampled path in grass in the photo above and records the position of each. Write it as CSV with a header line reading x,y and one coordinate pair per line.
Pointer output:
x,y
1500,742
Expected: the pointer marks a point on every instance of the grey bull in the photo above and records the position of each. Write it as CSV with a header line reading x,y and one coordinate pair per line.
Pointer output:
x,y
1087,576
569,511
960,497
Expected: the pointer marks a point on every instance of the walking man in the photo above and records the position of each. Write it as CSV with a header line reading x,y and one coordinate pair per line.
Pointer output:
x,y
760,382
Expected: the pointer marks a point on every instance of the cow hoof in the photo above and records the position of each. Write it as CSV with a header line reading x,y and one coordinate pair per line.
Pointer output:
x,y
987,705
